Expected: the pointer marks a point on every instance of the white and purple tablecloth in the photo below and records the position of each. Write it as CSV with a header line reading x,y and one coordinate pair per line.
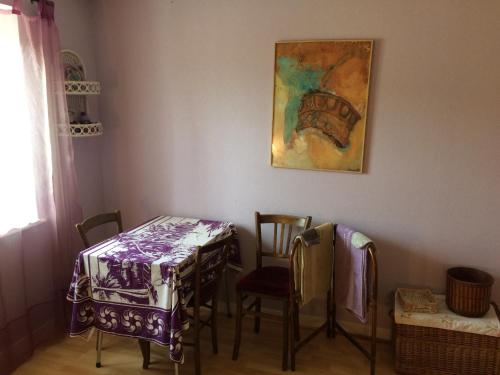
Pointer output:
x,y
134,284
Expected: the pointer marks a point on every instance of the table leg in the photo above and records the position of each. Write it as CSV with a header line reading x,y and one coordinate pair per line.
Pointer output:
x,y
176,366
98,349
226,286
145,347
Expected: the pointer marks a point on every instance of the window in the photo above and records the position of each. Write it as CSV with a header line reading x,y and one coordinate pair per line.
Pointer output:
x,y
18,199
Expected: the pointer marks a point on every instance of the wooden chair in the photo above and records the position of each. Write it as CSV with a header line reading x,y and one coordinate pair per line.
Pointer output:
x,y
326,285
83,229
372,308
270,282
95,221
210,262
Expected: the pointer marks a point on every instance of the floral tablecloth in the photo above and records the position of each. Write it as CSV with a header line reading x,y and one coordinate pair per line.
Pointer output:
x,y
134,283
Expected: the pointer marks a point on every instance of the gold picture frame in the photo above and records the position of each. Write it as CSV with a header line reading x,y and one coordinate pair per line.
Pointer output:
x,y
320,104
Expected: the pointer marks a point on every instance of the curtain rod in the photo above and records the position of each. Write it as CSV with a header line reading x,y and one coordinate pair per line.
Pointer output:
x,y
46,8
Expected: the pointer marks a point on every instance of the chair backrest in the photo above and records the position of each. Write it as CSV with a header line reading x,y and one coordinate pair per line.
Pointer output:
x,y
211,260
92,222
288,225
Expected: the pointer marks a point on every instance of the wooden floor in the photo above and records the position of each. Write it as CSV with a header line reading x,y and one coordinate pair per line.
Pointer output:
x,y
259,354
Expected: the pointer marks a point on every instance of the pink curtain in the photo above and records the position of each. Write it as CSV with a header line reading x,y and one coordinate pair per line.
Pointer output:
x,y
36,261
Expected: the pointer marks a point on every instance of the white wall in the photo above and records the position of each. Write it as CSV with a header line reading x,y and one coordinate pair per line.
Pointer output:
x,y
187,108
76,32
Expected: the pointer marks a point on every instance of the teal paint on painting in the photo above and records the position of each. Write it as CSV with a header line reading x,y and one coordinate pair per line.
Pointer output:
x,y
299,80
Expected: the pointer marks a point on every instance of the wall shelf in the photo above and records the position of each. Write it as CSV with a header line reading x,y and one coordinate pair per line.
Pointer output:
x,y
86,130
82,87
77,88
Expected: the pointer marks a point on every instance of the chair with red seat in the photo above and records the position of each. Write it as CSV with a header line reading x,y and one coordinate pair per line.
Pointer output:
x,y
269,282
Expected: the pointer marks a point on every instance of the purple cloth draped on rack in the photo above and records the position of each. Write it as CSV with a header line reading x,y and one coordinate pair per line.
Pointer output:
x,y
351,271
135,283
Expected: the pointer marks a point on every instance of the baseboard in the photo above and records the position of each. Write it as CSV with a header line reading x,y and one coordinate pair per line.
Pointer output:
x,y
312,321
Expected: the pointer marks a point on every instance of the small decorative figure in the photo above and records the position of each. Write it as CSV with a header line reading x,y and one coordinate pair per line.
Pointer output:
x,y
84,118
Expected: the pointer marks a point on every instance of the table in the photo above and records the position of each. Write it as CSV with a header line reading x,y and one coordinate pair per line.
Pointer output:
x,y
134,284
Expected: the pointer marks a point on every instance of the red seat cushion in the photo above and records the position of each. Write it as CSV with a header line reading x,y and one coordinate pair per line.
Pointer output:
x,y
273,281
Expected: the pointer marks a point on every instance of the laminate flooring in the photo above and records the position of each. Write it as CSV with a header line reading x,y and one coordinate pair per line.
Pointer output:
x,y
259,354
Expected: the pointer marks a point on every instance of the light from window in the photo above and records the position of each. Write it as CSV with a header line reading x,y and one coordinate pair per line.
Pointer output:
x,y
18,200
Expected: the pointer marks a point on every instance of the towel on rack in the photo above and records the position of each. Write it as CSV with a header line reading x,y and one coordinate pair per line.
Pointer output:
x,y
313,263
351,271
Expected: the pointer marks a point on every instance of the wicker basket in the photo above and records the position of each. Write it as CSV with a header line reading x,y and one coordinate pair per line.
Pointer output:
x,y
417,300
468,291
425,350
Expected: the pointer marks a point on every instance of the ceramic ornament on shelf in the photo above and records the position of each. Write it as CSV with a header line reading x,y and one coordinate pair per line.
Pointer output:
x,y
77,88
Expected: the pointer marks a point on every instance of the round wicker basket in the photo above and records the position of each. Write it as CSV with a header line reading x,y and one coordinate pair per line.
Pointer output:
x,y
468,291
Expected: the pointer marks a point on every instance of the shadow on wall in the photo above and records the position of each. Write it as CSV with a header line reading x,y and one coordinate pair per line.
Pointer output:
x,y
378,45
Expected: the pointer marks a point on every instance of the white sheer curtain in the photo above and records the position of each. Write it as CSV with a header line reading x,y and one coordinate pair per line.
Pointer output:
x,y
39,202
17,194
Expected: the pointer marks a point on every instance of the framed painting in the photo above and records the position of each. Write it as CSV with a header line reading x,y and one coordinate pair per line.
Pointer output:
x,y
320,104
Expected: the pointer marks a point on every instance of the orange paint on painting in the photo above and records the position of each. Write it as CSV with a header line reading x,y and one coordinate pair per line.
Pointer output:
x,y
347,70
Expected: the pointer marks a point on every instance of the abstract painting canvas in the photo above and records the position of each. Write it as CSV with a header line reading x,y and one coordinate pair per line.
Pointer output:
x,y
320,104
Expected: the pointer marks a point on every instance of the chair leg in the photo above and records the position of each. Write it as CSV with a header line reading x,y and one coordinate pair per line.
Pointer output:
x,y
296,323
256,328
213,324
145,347
239,317
286,317
373,351
98,347
328,314
293,314
333,318
197,364
226,286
